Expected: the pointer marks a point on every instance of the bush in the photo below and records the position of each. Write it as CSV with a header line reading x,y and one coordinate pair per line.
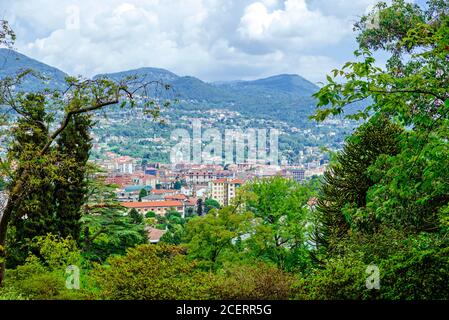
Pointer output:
x,y
253,282
150,214
152,272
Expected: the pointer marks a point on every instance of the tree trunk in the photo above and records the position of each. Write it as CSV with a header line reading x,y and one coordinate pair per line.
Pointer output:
x,y
3,229
14,198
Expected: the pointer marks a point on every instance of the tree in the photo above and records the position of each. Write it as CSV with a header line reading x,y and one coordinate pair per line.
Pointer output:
x,y
210,237
347,181
405,202
190,212
106,229
199,207
135,216
177,185
150,214
34,216
281,224
43,276
73,149
253,282
153,272
409,189
210,204
81,97
142,194
7,35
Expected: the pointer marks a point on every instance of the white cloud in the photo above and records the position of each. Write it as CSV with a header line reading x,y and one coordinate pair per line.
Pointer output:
x,y
294,26
210,39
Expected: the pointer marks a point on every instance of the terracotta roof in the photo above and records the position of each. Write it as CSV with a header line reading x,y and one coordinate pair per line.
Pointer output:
x,y
192,201
176,197
166,203
155,234
159,191
224,180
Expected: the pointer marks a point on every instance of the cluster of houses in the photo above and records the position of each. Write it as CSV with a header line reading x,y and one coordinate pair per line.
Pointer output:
x,y
163,188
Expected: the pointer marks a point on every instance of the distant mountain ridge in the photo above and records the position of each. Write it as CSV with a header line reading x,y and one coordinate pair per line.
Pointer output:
x,y
285,97
13,63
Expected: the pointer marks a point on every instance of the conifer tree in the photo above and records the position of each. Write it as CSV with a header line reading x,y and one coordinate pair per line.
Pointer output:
x,y
34,216
346,181
73,147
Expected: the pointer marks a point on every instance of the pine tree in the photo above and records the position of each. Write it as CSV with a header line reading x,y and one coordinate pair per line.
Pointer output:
x,y
73,147
35,214
142,194
199,207
346,181
135,216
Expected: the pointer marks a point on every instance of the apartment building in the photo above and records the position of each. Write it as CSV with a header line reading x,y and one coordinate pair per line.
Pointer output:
x,y
224,190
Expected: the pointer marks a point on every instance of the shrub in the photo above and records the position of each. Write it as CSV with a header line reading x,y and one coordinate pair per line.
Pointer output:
x,y
253,282
152,272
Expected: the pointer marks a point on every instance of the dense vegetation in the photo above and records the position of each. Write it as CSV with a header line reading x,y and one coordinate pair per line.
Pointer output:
x,y
383,202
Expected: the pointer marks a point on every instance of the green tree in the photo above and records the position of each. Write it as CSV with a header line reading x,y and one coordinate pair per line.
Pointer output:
x,y
37,205
177,185
211,237
282,220
150,214
106,229
73,149
210,204
199,207
142,194
42,276
406,200
82,97
135,216
347,181
153,272
409,188
253,282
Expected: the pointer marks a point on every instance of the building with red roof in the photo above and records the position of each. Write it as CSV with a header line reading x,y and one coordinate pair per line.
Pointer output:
x,y
158,207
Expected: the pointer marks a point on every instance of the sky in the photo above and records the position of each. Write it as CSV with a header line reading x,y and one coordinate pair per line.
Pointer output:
x,y
214,40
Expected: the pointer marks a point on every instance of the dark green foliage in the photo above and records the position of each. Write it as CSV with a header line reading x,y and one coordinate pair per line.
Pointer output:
x,y
35,216
58,187
150,214
135,216
106,229
143,193
177,185
199,207
73,147
210,204
346,182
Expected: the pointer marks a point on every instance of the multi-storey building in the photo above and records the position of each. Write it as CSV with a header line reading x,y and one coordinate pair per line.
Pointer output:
x,y
224,190
158,207
206,176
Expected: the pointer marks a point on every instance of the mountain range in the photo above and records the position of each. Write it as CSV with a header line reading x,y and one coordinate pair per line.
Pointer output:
x,y
285,97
